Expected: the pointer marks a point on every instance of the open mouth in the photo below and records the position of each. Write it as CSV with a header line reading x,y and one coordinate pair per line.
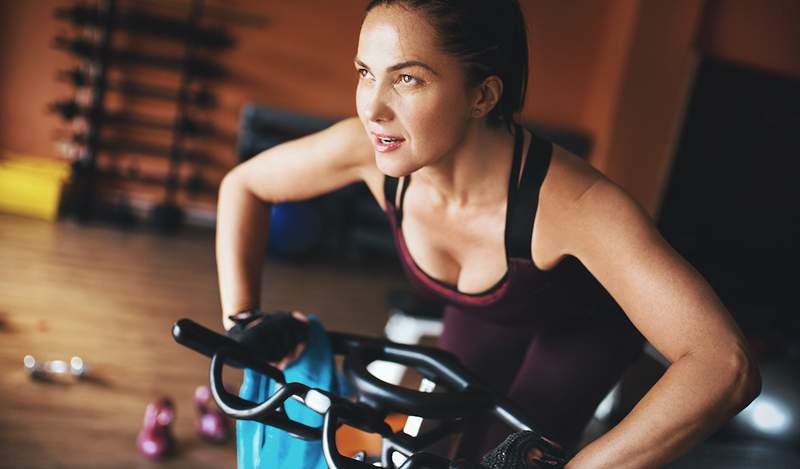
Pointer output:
x,y
386,143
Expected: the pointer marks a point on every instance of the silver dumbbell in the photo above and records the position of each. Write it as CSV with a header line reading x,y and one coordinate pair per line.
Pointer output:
x,y
76,367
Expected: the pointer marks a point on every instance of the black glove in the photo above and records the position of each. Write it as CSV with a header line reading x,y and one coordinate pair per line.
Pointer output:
x,y
514,453
268,336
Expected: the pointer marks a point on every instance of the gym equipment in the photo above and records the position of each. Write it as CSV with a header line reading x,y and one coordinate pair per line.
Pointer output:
x,y
202,98
84,177
295,229
122,145
461,394
155,440
89,50
194,184
141,23
261,128
69,110
410,319
775,414
93,43
167,217
47,371
212,424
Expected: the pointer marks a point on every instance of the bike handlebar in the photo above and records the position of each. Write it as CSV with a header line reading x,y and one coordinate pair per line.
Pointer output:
x,y
376,399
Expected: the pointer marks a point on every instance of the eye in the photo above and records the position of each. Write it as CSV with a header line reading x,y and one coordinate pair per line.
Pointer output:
x,y
362,72
408,79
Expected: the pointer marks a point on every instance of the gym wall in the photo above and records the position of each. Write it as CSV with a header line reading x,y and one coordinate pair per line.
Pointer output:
x,y
619,71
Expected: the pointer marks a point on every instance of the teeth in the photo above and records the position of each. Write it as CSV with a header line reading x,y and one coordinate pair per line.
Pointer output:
x,y
387,140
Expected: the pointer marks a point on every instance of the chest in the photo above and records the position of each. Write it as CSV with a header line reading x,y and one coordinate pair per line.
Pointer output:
x,y
464,248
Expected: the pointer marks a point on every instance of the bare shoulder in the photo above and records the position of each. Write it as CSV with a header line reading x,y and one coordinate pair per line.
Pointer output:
x,y
568,178
578,203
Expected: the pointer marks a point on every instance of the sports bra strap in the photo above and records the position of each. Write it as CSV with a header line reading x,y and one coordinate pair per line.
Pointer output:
x,y
390,184
525,202
513,179
389,189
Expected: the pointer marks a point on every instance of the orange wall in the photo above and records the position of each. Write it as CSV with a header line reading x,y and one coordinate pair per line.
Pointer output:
x,y
653,90
760,34
27,84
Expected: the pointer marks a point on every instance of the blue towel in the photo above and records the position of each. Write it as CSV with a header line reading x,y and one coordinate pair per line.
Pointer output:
x,y
261,446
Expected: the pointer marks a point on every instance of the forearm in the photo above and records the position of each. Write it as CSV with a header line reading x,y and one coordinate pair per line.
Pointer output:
x,y
241,239
691,400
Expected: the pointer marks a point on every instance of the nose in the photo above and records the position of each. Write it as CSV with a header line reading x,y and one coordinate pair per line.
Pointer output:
x,y
375,105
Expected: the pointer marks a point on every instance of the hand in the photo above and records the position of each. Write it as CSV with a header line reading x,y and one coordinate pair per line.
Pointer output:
x,y
298,349
525,450
278,337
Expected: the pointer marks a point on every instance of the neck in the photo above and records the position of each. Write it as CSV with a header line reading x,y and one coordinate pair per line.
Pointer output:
x,y
475,172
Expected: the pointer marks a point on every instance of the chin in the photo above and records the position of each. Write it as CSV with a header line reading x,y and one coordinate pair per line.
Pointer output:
x,y
391,166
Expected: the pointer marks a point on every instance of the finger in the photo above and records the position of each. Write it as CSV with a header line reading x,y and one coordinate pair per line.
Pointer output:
x,y
289,359
298,350
300,316
301,347
534,455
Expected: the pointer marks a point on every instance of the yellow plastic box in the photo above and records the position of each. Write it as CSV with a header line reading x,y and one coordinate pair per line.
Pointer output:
x,y
31,185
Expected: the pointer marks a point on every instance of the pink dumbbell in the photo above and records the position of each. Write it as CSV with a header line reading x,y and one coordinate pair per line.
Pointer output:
x,y
155,440
212,424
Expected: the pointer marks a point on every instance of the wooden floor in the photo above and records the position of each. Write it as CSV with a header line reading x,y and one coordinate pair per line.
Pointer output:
x,y
111,296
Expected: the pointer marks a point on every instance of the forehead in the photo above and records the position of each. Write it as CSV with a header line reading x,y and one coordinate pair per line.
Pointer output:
x,y
395,33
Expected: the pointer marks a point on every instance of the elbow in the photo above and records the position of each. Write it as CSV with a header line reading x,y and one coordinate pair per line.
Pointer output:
x,y
745,379
234,188
230,182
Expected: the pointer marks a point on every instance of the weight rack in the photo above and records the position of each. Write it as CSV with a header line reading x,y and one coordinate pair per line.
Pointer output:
x,y
94,28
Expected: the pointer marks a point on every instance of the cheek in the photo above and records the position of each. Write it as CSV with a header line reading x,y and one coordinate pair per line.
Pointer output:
x,y
436,124
359,103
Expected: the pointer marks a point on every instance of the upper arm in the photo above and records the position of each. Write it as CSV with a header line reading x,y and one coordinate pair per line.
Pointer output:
x,y
309,166
662,294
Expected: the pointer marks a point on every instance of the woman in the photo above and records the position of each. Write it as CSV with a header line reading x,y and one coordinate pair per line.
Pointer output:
x,y
551,272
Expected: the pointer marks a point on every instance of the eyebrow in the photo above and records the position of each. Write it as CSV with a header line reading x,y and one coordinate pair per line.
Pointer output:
x,y
401,65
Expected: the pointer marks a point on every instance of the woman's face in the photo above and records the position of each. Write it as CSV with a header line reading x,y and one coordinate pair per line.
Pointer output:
x,y
411,96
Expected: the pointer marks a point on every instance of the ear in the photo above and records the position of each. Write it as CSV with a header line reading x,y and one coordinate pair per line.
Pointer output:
x,y
488,94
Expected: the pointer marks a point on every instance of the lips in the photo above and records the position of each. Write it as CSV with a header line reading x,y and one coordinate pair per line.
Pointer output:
x,y
385,143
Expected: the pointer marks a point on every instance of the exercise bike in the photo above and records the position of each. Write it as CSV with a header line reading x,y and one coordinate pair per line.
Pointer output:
x,y
459,394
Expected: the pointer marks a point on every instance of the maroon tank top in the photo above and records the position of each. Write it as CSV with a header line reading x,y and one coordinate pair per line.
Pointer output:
x,y
525,294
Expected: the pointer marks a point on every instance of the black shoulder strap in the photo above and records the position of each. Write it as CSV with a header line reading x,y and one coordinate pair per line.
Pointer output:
x,y
525,200
513,180
389,189
390,184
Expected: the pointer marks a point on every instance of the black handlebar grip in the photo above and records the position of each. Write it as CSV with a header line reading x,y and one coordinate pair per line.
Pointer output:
x,y
270,337
205,341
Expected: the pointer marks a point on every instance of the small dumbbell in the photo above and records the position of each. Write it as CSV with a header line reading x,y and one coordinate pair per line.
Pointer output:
x,y
53,369
155,440
212,424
